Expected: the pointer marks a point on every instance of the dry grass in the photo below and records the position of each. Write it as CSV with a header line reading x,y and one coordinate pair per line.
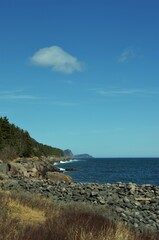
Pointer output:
x,y
26,215
32,217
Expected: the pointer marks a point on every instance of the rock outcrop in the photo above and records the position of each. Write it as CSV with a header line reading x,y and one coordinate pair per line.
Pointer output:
x,y
58,177
31,167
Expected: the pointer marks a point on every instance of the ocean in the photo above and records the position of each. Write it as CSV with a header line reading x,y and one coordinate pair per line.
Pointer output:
x,y
113,170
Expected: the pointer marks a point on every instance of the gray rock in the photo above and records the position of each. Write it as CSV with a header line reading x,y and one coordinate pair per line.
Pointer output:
x,y
70,169
119,209
131,187
94,193
101,200
126,200
58,177
4,168
136,225
3,176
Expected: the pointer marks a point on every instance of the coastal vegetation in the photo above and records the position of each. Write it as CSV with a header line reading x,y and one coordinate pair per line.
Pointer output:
x,y
16,142
39,202
32,217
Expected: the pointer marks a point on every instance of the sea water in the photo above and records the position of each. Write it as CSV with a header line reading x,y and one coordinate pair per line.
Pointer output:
x,y
112,170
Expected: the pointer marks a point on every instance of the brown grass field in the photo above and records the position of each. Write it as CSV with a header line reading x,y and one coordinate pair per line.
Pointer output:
x,y
32,217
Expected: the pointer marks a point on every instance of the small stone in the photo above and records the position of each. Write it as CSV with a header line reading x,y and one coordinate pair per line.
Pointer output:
x,y
82,192
94,193
136,225
131,187
119,209
126,200
3,176
137,203
123,215
101,200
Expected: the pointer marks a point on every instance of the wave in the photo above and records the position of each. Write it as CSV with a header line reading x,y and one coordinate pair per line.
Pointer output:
x,y
62,169
65,162
56,163
69,161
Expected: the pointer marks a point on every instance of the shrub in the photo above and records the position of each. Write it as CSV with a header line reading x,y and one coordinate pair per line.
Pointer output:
x,y
30,217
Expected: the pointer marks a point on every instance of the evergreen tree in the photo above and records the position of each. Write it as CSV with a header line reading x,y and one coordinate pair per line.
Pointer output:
x,y
17,142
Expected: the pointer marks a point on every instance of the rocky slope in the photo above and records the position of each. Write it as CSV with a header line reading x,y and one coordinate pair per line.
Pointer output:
x,y
39,168
135,205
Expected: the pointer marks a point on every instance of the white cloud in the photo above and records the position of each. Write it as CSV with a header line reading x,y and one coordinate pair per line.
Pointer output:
x,y
119,92
64,104
127,54
122,92
56,58
20,96
16,95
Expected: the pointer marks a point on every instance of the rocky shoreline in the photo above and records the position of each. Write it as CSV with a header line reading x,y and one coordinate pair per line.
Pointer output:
x,y
135,205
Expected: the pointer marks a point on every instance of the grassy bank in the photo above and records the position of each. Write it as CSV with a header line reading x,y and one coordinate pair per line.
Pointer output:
x,y
31,217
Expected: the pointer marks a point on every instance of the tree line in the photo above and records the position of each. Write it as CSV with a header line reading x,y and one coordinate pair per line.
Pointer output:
x,y
16,142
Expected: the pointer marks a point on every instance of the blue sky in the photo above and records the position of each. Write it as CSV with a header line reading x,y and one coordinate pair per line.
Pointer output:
x,y
82,75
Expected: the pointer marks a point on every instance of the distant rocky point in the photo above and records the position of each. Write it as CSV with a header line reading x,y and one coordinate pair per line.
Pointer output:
x,y
85,155
68,153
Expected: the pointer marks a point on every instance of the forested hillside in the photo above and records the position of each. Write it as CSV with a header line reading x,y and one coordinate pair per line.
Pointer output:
x,y
15,142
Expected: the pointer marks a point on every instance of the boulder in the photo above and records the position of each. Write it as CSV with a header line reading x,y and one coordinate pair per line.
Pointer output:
x,y
44,166
4,168
34,172
17,169
3,176
58,177
70,169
